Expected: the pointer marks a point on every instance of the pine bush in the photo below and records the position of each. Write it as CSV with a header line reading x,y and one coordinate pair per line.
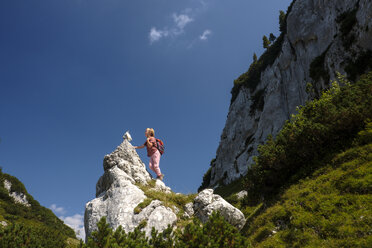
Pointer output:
x,y
216,232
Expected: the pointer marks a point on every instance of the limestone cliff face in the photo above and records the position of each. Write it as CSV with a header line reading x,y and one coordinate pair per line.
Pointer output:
x,y
315,29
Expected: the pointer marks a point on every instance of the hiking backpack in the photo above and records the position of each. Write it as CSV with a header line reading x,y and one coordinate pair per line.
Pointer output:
x,y
160,146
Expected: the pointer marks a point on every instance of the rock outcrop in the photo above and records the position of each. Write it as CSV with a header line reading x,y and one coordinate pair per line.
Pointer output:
x,y
240,195
17,197
330,36
118,194
206,203
189,210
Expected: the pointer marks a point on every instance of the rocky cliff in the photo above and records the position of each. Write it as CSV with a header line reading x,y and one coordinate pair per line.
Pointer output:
x,y
127,196
319,39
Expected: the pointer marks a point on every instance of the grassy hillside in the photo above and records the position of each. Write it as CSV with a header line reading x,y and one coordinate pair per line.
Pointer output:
x,y
34,226
330,208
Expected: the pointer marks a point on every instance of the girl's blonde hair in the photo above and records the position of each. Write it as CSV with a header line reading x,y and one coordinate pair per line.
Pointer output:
x,y
150,131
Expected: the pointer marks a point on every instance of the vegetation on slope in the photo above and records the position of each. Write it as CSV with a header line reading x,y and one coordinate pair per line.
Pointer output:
x,y
171,200
330,208
321,128
216,232
34,226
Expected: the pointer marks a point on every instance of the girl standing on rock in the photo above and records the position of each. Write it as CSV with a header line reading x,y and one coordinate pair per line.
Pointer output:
x,y
152,152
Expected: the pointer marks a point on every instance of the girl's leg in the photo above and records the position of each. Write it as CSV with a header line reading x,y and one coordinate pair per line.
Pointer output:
x,y
154,163
151,164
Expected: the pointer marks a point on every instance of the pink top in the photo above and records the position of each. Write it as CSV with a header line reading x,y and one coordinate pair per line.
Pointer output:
x,y
153,149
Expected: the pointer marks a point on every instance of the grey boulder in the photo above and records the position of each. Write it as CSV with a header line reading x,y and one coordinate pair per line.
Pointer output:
x,y
206,203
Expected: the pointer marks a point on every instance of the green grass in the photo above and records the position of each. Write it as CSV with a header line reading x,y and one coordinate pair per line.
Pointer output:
x,y
230,189
142,205
170,200
331,208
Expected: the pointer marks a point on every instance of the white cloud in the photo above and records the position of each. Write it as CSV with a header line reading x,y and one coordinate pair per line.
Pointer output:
x,y
181,20
76,222
205,34
177,28
57,210
156,34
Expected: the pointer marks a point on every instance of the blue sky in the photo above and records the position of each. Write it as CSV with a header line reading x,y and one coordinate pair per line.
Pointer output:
x,y
76,74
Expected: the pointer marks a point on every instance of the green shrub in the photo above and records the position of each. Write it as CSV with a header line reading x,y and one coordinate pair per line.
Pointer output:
x,y
265,42
365,136
216,232
22,235
320,128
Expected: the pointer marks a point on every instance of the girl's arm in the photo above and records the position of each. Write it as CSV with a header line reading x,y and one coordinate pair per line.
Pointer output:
x,y
139,147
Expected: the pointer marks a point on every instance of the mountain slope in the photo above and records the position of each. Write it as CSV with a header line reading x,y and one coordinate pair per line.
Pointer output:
x,y
330,208
24,222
